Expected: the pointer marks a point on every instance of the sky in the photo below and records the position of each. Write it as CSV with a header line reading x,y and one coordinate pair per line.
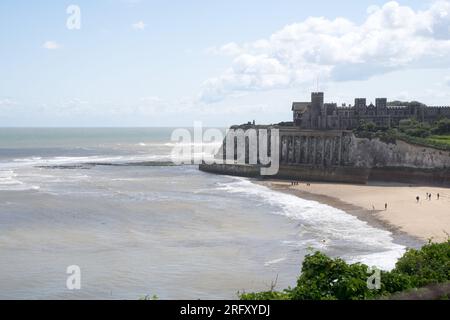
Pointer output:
x,y
107,63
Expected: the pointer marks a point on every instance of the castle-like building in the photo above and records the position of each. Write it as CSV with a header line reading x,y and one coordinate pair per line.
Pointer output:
x,y
322,116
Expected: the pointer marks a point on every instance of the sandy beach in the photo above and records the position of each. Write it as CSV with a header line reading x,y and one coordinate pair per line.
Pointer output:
x,y
424,219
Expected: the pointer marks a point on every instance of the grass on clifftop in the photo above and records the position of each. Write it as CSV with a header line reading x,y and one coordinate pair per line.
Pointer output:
x,y
435,136
445,139
324,278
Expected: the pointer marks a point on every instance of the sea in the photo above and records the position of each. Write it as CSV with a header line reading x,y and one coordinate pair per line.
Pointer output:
x,y
113,203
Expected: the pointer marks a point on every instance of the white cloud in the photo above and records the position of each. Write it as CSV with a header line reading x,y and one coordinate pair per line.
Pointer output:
x,y
51,45
373,8
392,37
140,25
249,72
7,102
230,49
447,81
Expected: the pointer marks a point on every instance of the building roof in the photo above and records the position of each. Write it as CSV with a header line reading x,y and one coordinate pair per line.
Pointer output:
x,y
300,106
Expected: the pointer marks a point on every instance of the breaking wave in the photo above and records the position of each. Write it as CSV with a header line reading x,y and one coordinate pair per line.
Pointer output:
x,y
324,227
10,182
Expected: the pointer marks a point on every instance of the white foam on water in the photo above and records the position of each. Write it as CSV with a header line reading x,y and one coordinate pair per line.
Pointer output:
x,y
9,182
178,144
192,144
56,161
274,261
129,159
328,225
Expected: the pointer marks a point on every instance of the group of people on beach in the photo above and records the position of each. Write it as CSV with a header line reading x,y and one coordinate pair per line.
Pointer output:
x,y
296,183
428,197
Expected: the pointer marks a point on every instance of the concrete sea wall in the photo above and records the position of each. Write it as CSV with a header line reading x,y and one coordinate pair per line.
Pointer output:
x,y
304,173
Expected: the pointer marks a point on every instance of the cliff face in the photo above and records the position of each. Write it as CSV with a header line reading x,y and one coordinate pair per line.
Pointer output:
x,y
340,156
377,154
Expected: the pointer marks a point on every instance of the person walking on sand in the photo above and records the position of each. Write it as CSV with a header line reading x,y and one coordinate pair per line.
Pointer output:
x,y
417,199
438,196
385,206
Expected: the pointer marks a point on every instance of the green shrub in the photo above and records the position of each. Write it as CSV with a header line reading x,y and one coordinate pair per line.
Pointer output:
x,y
429,265
441,127
435,135
412,127
325,278
266,295
367,126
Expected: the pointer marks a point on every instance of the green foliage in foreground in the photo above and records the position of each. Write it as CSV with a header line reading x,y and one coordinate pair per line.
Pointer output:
x,y
324,278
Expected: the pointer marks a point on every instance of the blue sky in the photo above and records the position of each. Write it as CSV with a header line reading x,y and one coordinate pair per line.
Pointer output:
x,y
168,63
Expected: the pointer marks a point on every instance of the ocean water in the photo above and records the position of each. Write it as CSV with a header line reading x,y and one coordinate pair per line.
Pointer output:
x,y
110,202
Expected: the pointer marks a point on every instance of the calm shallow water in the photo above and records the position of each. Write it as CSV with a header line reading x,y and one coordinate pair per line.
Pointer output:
x,y
166,230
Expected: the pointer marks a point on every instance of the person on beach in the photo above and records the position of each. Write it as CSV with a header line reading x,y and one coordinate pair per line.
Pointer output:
x,y
438,196
385,206
417,199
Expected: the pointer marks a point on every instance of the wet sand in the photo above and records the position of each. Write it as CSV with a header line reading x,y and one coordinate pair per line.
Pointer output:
x,y
423,220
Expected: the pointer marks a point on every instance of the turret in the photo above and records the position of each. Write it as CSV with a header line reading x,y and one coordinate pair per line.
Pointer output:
x,y
317,100
360,103
381,103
